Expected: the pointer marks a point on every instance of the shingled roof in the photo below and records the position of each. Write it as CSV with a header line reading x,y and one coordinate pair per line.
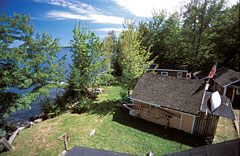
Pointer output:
x,y
227,148
183,95
169,67
85,151
226,76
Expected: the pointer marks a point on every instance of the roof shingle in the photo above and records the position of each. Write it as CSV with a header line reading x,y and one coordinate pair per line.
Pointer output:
x,y
183,95
226,76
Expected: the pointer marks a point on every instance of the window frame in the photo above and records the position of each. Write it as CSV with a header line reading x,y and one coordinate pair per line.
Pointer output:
x,y
178,74
164,73
168,116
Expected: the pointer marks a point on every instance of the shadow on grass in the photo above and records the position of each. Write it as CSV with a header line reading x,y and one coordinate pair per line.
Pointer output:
x,y
104,108
121,116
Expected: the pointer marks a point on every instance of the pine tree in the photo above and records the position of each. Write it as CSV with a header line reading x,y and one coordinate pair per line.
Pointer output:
x,y
16,28
42,70
110,48
89,62
31,65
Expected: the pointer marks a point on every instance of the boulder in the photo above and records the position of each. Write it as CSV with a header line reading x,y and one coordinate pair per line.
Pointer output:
x,y
38,120
31,119
29,124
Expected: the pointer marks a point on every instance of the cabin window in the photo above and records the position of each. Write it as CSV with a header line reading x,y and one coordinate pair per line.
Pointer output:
x,y
179,74
164,73
168,116
131,112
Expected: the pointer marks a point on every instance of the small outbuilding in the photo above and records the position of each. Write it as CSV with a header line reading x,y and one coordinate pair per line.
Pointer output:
x,y
176,70
177,103
227,82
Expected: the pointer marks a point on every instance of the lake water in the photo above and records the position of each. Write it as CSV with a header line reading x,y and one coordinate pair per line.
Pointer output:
x,y
25,114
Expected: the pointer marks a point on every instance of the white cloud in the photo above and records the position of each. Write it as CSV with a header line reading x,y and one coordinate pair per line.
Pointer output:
x,y
145,8
96,18
80,10
60,15
110,29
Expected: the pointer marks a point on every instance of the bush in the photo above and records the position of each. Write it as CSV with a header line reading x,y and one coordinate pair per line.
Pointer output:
x,y
53,108
50,110
124,93
83,105
3,133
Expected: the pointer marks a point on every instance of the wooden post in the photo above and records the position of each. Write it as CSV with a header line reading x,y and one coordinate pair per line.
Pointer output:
x,y
7,144
65,143
13,136
180,126
233,94
64,135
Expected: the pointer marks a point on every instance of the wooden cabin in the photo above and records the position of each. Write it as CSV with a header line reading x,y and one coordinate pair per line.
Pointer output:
x,y
177,103
227,82
176,70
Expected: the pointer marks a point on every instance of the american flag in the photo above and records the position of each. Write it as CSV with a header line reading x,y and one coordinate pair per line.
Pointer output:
x,y
213,71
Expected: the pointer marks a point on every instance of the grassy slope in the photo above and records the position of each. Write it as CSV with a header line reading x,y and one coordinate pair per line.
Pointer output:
x,y
115,131
225,130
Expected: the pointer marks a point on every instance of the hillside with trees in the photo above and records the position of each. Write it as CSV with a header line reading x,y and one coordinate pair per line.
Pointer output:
x,y
202,33
32,65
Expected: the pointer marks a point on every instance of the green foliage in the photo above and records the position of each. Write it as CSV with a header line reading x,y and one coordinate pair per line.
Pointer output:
x,y
12,28
2,133
111,49
41,68
50,110
89,63
31,65
115,131
226,38
199,20
85,105
205,32
132,57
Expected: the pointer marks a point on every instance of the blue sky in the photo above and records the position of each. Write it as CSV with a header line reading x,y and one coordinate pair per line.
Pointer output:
x,y
57,17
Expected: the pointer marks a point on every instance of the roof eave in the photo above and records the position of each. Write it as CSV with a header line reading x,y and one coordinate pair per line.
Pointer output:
x,y
159,106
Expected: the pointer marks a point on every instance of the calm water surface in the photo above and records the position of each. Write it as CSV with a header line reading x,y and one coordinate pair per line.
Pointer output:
x,y
25,114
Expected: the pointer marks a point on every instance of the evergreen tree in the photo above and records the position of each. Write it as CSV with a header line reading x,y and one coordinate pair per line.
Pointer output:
x,y
42,71
31,65
111,49
89,62
17,28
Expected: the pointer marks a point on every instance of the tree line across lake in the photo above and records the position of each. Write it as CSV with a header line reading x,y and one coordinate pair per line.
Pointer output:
x,y
203,32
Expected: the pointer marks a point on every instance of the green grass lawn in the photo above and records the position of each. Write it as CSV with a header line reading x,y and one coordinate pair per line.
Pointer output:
x,y
225,130
115,131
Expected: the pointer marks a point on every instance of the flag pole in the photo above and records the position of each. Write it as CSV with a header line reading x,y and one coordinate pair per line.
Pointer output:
x,y
210,75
